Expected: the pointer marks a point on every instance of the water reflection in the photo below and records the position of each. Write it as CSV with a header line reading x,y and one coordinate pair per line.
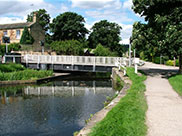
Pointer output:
x,y
59,108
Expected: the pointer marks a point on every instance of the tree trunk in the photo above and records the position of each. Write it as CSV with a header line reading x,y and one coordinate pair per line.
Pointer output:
x,y
180,63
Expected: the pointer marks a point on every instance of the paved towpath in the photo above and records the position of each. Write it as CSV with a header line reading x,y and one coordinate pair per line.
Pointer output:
x,y
164,115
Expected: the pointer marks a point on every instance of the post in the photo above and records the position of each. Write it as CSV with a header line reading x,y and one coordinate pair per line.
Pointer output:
x,y
129,55
6,48
94,64
14,61
136,70
134,54
26,60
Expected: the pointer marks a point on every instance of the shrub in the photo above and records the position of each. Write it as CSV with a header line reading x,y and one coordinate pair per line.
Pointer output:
x,y
102,51
26,37
11,47
157,60
68,47
170,63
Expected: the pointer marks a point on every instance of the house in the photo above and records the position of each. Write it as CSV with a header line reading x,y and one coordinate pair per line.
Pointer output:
x,y
15,31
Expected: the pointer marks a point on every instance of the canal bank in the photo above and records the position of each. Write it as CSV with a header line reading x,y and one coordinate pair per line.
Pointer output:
x,y
102,113
59,107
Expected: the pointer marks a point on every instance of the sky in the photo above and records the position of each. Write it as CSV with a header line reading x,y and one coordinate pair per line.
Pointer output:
x,y
118,11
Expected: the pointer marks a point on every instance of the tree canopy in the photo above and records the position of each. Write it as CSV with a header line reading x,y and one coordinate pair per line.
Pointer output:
x,y
42,16
163,30
106,34
68,26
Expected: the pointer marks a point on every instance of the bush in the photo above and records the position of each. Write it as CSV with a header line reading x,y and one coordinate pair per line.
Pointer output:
x,y
177,62
170,63
68,47
102,51
11,67
26,37
157,60
11,47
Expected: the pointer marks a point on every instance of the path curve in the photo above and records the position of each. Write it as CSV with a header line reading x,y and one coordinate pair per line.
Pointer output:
x,y
164,115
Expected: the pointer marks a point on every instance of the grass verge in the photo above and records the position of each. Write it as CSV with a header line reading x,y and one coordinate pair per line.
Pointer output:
x,y
176,82
11,67
127,118
27,74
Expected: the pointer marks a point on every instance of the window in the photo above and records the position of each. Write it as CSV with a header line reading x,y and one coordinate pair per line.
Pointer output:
x,y
17,34
5,33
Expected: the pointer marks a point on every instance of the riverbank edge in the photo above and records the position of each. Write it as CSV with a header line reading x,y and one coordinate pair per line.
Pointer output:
x,y
102,113
37,81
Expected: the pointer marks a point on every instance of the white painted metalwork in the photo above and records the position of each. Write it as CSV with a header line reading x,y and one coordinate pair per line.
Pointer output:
x,y
73,60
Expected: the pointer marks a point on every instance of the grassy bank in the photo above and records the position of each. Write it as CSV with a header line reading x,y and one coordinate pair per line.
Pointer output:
x,y
9,72
127,118
176,82
27,74
11,67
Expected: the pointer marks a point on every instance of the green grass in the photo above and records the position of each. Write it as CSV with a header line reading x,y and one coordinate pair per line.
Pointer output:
x,y
11,67
176,82
27,74
127,118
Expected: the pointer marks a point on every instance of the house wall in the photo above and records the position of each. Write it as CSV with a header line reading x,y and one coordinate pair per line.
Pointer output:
x,y
12,34
38,34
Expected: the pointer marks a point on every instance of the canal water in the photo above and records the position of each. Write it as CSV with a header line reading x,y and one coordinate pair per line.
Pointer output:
x,y
58,108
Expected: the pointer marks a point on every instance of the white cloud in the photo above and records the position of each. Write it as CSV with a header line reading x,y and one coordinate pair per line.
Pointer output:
x,y
127,4
8,20
111,15
96,4
13,11
126,32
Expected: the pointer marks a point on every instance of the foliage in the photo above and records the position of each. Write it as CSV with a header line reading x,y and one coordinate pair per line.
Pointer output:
x,y
170,63
176,81
163,28
68,47
11,47
68,26
106,34
25,75
42,17
102,51
11,67
127,118
118,84
26,37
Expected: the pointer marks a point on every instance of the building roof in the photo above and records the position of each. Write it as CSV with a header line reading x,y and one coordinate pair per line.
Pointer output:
x,y
15,25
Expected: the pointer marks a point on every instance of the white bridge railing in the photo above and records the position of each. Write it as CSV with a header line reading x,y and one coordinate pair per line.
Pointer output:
x,y
74,60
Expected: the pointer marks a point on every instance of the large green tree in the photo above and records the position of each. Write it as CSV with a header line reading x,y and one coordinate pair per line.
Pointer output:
x,y
105,33
164,17
68,26
43,18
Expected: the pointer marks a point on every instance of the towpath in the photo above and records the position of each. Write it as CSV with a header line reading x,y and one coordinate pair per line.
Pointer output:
x,y
164,115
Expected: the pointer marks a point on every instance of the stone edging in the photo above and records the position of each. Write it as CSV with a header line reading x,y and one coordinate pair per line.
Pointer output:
x,y
102,113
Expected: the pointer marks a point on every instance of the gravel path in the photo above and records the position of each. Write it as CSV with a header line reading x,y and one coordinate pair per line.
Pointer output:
x,y
164,115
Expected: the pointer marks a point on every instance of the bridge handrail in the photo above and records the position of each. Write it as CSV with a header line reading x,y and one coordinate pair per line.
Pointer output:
x,y
73,60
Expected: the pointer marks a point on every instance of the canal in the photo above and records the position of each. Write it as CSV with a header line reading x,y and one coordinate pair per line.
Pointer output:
x,y
57,108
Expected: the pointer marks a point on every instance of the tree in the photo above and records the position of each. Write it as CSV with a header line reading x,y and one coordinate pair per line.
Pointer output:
x,y
26,37
105,33
68,26
42,17
68,47
165,17
102,51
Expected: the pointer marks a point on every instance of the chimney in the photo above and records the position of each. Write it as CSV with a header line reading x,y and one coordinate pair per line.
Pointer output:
x,y
35,17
